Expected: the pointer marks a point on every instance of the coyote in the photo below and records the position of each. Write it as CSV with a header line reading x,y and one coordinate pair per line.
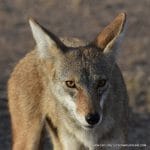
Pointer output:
x,y
73,88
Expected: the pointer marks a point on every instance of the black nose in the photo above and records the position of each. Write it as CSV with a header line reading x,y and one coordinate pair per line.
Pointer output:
x,y
92,118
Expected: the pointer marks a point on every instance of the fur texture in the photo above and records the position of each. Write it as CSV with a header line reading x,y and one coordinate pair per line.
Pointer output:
x,y
39,95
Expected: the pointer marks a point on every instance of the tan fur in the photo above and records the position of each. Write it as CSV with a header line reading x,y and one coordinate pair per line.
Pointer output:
x,y
35,96
83,106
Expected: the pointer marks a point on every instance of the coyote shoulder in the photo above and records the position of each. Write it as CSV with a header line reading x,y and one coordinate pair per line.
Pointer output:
x,y
73,88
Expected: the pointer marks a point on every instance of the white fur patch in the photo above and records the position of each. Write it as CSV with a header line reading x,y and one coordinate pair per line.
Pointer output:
x,y
68,102
103,98
65,99
81,119
43,41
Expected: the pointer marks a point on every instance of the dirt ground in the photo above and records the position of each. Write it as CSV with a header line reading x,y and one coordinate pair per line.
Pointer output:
x,y
83,19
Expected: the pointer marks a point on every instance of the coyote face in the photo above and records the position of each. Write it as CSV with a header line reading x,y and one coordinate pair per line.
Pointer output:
x,y
81,76
81,83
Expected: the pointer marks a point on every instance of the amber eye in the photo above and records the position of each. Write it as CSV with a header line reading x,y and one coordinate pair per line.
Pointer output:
x,y
70,84
102,83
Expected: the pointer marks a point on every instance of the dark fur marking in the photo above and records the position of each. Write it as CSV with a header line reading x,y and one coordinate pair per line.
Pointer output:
x,y
52,127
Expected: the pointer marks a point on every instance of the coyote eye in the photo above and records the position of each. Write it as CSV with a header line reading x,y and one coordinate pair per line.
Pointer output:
x,y
70,84
102,83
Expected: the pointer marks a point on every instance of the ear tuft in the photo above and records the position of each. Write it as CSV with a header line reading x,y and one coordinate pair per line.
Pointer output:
x,y
108,39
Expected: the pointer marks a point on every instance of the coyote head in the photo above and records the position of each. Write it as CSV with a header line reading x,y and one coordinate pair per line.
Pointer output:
x,y
80,78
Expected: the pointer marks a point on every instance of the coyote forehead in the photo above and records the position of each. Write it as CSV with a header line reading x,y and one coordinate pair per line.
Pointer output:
x,y
84,64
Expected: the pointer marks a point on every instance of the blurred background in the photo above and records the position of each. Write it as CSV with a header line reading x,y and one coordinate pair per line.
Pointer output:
x,y
82,19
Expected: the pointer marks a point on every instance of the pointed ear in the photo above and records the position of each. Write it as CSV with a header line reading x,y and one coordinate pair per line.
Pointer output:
x,y
109,38
47,43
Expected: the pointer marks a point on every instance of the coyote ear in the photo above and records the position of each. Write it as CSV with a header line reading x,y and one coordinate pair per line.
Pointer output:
x,y
47,43
109,38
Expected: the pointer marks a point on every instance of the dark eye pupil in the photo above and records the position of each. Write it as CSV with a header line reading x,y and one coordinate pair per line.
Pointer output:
x,y
102,83
70,84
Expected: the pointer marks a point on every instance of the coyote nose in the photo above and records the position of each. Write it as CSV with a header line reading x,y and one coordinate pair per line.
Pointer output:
x,y
92,119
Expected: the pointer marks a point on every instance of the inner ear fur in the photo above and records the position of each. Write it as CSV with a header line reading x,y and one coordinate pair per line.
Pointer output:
x,y
47,43
109,35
